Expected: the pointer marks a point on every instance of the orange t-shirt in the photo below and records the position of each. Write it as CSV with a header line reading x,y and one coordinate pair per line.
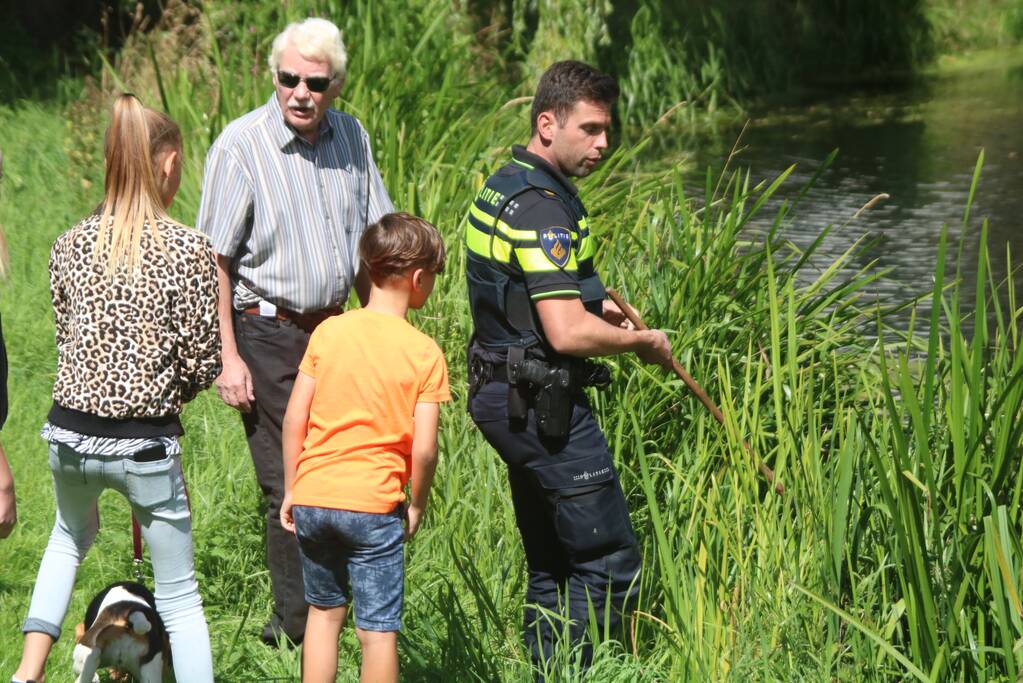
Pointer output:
x,y
371,369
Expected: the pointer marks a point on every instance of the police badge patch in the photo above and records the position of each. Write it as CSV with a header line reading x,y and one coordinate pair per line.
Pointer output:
x,y
557,245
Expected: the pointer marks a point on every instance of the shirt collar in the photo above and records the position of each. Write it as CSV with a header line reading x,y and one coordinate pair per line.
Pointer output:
x,y
283,134
525,157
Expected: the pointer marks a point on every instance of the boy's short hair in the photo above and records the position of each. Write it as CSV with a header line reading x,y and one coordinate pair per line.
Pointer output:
x,y
399,242
567,83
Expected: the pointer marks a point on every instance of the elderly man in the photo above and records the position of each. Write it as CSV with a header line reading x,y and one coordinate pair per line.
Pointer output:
x,y
289,188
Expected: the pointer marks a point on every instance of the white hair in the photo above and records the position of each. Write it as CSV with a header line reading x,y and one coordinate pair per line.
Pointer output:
x,y
317,40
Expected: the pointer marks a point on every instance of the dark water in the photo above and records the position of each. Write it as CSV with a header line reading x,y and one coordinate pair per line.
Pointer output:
x,y
918,142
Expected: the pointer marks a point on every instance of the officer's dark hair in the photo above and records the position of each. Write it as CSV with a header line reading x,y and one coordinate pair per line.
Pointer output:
x,y
400,242
566,83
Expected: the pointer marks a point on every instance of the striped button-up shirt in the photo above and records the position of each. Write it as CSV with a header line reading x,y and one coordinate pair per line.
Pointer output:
x,y
288,213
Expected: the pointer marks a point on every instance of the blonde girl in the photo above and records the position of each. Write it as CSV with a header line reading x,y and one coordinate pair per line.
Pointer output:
x,y
135,311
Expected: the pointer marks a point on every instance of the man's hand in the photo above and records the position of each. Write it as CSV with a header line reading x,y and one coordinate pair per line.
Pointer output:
x,y
658,349
287,520
235,383
8,512
614,315
413,517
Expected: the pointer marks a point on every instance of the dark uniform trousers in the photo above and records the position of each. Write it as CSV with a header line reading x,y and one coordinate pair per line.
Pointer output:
x,y
273,350
578,539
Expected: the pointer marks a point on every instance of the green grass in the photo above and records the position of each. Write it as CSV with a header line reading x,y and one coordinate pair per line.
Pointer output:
x,y
894,554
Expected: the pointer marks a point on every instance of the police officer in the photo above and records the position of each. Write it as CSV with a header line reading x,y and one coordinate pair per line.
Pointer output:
x,y
539,311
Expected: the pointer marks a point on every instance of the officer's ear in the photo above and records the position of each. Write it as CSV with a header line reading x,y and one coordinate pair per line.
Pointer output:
x,y
546,122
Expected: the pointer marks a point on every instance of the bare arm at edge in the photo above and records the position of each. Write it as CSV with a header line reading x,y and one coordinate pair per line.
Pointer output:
x,y
8,506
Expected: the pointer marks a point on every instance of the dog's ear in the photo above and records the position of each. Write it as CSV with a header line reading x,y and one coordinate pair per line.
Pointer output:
x,y
106,620
79,632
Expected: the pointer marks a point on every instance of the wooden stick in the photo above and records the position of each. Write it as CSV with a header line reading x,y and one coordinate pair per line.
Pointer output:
x,y
697,390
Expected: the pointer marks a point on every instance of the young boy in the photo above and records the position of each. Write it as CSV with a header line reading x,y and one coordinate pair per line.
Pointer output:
x,y
362,418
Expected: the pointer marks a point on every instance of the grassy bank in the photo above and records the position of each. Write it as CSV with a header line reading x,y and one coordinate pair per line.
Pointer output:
x,y
895,552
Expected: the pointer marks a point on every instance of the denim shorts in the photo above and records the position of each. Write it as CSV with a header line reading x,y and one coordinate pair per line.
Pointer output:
x,y
354,557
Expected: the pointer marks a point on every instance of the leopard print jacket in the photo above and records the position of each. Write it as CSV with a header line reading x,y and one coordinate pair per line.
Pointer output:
x,y
139,347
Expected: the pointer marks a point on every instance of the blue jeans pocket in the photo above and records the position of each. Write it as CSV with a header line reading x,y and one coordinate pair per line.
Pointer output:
x,y
149,483
64,461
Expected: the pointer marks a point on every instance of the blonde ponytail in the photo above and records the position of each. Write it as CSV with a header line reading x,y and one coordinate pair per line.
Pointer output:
x,y
132,203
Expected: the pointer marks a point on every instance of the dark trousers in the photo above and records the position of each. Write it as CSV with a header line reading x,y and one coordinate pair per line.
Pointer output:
x,y
273,350
580,547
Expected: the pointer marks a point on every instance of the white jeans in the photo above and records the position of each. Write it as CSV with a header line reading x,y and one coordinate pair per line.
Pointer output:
x,y
156,491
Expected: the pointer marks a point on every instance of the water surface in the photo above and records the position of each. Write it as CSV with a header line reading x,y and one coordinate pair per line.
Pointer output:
x,y
918,142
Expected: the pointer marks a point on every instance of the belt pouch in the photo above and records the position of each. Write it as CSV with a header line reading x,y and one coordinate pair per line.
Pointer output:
x,y
518,388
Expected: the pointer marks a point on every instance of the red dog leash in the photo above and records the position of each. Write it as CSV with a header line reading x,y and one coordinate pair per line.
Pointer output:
x,y
136,535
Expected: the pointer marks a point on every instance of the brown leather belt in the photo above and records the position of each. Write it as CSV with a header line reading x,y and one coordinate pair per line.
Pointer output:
x,y
305,321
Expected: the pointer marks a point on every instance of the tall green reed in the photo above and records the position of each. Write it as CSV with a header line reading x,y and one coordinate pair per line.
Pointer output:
x,y
940,426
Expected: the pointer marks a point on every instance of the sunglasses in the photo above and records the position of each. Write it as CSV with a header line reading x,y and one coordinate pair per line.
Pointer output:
x,y
314,83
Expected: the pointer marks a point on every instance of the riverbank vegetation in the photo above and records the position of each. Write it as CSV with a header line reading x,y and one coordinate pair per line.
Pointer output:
x,y
707,55
895,552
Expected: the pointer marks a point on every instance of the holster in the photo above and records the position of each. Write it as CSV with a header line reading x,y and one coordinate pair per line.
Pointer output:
x,y
547,386
553,408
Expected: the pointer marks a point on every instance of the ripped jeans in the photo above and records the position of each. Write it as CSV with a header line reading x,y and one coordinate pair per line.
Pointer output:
x,y
156,491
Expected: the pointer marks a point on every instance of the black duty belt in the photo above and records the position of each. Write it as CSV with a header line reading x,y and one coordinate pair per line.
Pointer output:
x,y
583,373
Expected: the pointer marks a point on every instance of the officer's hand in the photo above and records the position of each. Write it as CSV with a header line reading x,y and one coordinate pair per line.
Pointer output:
x,y
235,384
613,314
413,517
658,350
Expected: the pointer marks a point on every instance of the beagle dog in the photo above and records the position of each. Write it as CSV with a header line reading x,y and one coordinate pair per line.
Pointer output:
x,y
123,631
